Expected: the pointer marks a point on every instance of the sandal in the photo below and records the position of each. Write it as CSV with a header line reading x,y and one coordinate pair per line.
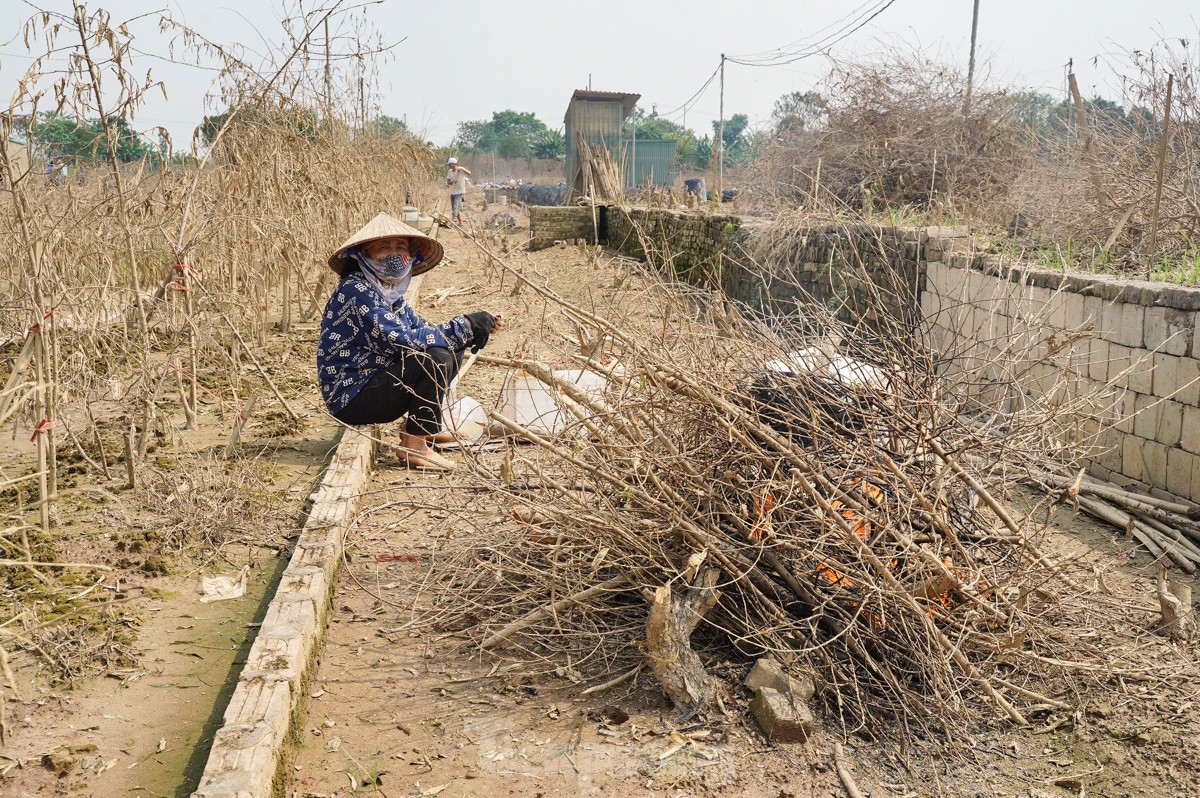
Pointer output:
x,y
424,461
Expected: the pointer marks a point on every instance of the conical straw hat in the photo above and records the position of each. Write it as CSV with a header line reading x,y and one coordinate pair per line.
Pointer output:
x,y
384,226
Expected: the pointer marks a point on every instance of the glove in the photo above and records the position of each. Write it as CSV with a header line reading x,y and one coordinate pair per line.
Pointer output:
x,y
482,324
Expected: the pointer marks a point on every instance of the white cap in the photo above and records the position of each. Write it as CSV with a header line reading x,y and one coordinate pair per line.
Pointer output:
x,y
452,160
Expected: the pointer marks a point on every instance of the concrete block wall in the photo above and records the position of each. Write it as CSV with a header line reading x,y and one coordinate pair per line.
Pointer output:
x,y
1130,347
1124,353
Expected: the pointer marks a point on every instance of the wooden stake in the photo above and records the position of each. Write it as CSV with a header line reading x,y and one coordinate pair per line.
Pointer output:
x,y
130,481
1081,118
239,422
39,434
1175,603
285,318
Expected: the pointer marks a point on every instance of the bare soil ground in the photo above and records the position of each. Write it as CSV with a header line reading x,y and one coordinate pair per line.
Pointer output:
x,y
130,681
404,707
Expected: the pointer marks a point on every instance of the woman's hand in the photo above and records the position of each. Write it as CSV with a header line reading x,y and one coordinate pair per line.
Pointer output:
x,y
482,325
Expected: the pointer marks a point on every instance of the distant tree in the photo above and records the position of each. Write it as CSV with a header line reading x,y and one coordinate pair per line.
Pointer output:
x,y
1039,112
83,141
737,144
513,146
701,152
508,133
797,113
389,127
653,126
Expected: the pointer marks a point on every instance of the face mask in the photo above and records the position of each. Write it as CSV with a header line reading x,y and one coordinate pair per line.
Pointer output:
x,y
392,267
391,273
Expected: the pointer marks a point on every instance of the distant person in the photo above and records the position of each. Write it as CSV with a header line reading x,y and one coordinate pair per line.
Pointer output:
x,y
377,359
456,179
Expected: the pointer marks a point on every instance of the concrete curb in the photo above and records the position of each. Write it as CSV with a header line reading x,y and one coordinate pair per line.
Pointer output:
x,y
247,750
250,745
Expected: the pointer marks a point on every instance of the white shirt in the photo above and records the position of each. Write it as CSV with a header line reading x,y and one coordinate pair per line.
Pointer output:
x,y
458,178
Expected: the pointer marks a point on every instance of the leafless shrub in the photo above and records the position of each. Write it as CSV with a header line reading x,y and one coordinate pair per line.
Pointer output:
x,y
1128,220
894,134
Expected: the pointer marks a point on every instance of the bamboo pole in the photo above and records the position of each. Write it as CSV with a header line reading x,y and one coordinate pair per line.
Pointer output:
x,y
1159,171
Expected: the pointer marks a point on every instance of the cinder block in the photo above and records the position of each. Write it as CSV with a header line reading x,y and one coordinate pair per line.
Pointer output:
x,y
1132,462
1187,378
1167,330
1118,365
1110,321
1158,420
1190,437
1099,356
1141,371
1154,458
1180,465
1058,310
769,673
1125,412
1075,315
1110,449
1133,325
1166,376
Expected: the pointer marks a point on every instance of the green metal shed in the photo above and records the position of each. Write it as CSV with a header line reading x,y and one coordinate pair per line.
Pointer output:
x,y
655,162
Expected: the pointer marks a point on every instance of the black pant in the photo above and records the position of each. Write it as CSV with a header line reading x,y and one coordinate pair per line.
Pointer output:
x,y
413,385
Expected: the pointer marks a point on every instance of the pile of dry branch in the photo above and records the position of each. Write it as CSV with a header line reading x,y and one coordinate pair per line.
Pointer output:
x,y
844,514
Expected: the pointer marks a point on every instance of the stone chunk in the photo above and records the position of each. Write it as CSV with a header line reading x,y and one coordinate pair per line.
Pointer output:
x,y
768,673
781,719
779,701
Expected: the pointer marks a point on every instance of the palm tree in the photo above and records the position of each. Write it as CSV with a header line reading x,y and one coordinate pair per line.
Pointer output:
x,y
550,145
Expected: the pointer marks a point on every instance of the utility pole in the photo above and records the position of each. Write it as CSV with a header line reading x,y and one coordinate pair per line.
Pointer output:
x,y
971,63
720,148
633,181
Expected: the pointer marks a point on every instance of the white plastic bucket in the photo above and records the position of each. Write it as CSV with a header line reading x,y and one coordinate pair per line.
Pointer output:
x,y
537,407
411,214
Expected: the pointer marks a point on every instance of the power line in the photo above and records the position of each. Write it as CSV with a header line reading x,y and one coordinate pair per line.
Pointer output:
x,y
829,41
690,101
774,52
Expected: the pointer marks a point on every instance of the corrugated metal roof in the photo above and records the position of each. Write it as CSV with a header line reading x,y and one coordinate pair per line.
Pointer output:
x,y
628,101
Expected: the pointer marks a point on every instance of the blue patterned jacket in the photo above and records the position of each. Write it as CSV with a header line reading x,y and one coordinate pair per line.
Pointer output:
x,y
361,334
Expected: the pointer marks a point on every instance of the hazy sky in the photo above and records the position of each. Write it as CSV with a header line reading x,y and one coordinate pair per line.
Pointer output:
x,y
463,60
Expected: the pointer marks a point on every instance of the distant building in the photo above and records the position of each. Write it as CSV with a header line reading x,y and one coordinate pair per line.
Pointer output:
x,y
18,154
596,117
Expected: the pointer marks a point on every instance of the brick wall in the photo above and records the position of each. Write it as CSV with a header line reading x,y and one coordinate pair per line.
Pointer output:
x,y
548,225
